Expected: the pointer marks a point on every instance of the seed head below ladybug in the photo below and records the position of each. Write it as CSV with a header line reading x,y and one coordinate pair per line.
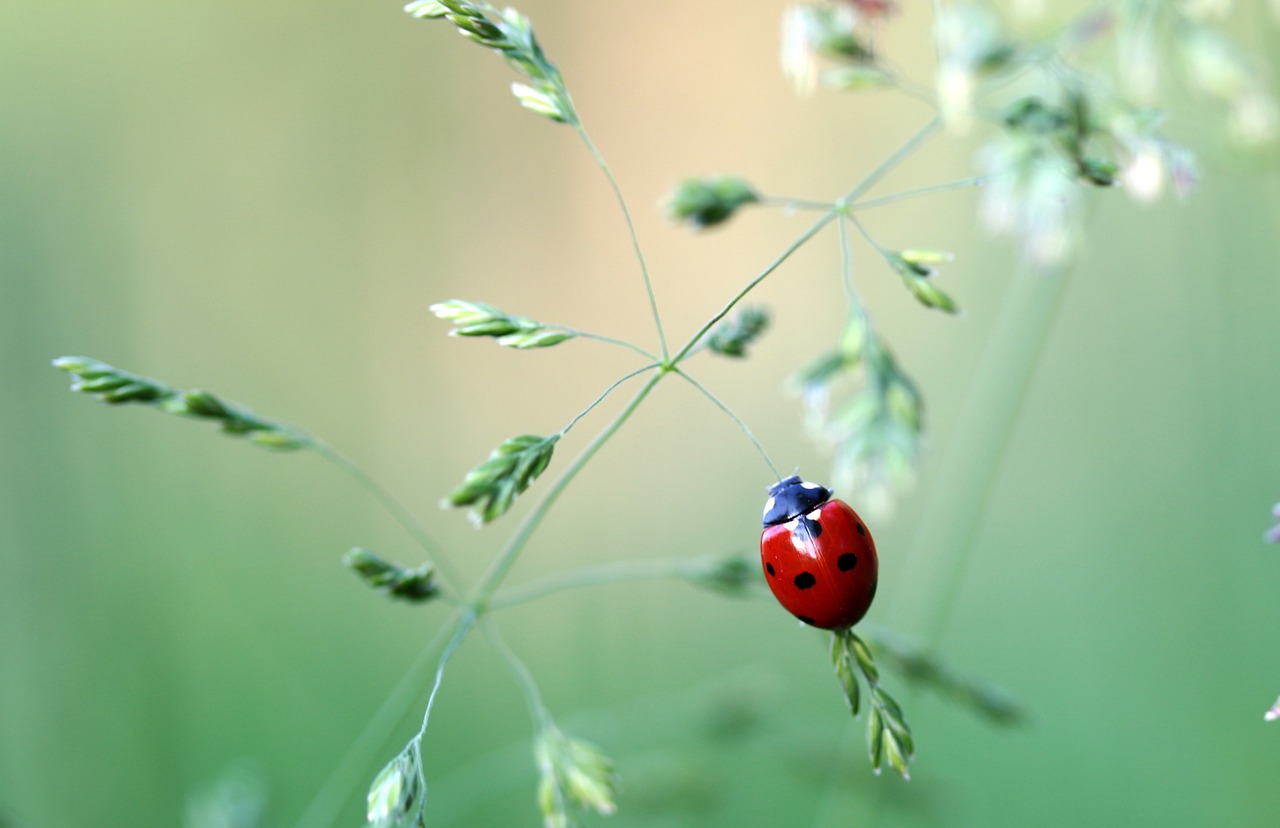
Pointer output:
x,y
817,554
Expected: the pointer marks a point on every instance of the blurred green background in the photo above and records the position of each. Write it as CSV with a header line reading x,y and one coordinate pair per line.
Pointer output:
x,y
262,199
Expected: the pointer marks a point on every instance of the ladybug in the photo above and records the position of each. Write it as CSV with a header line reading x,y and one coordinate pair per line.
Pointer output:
x,y
817,554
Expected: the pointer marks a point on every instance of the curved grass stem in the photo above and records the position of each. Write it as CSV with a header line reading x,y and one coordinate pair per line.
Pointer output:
x,y
870,180
323,809
644,352
464,625
846,270
720,404
528,685
631,231
862,231
584,412
398,512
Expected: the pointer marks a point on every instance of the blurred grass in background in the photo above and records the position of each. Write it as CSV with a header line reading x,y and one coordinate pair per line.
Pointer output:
x,y
262,200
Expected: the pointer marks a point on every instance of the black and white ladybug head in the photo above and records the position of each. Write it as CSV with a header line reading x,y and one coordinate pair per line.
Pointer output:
x,y
791,498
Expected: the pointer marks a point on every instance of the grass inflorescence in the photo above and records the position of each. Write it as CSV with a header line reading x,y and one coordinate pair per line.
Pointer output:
x,y
116,387
1045,151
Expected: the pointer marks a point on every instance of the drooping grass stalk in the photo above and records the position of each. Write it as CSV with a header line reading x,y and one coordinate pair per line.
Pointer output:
x,y
631,231
324,807
852,298
397,511
584,412
528,686
644,352
862,231
846,269
723,406
575,776
464,625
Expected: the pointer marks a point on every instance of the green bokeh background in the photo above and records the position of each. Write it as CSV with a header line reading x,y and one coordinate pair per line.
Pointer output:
x,y
262,199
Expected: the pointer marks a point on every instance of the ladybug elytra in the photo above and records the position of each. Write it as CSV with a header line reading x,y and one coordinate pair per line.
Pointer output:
x,y
817,554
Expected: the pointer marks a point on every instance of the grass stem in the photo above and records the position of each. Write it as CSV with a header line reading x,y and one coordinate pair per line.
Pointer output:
x,y
397,511
631,231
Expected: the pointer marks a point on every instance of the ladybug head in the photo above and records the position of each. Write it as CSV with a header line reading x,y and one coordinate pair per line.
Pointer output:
x,y
791,498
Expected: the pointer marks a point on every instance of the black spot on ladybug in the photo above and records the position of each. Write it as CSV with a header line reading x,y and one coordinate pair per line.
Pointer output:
x,y
806,619
805,580
769,568
847,561
862,530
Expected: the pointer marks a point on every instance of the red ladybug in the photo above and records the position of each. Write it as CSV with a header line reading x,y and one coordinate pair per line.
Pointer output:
x,y
818,556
